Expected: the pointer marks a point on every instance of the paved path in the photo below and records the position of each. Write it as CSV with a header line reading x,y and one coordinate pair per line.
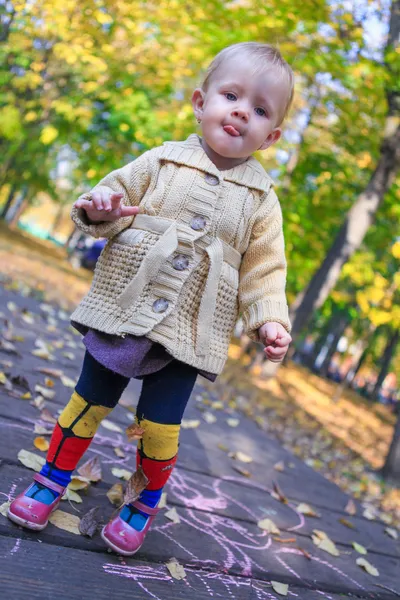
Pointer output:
x,y
218,542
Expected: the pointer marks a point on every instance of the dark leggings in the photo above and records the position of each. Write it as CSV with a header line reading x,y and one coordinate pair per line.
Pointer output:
x,y
164,394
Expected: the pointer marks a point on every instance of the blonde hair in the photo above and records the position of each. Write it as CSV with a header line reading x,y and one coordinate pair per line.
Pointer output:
x,y
264,57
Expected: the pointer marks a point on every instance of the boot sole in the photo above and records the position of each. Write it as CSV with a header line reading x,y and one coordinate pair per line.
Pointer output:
x,y
24,523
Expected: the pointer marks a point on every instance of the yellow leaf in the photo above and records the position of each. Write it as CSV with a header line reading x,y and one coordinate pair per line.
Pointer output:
x,y
78,483
172,515
41,444
65,521
26,396
111,426
72,496
358,548
31,460
119,452
279,466
176,569
305,509
233,422
121,473
116,494
190,423
392,533
280,588
67,381
351,508
91,469
241,456
48,134
269,526
370,569
4,508
209,418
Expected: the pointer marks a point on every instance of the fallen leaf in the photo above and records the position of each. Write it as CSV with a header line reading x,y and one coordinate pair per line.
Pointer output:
x,y
48,382
42,353
134,432
209,418
278,494
369,514
223,447
38,402
58,373
41,444
26,396
45,392
305,553
172,515
4,508
351,508
31,460
121,473
89,523
392,533
305,509
136,484
65,521
119,452
67,381
116,494
243,472
217,405
190,423
69,355
370,569
323,542
91,469
71,496
233,422
279,466
347,523
284,540
163,501
40,430
78,483
241,456
280,588
176,570
46,415
111,426
358,548
269,526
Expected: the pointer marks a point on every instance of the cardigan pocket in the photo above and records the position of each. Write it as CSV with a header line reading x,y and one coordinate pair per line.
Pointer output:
x,y
227,309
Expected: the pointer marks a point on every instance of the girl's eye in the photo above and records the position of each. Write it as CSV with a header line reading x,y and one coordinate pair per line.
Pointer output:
x,y
261,112
230,97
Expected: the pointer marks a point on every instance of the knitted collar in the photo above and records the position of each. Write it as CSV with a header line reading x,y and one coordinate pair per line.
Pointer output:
x,y
190,153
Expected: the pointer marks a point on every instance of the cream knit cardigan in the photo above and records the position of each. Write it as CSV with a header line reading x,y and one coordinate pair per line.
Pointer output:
x,y
206,245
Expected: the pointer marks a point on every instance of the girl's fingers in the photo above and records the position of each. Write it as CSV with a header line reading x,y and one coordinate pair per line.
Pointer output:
x,y
283,341
81,203
115,200
128,211
97,201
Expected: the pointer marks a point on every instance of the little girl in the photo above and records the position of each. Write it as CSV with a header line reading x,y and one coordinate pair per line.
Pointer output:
x,y
195,236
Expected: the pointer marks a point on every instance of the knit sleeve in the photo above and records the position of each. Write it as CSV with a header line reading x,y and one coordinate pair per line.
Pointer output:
x,y
132,181
262,284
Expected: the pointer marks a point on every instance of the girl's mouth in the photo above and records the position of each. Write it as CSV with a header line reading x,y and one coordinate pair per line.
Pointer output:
x,y
231,130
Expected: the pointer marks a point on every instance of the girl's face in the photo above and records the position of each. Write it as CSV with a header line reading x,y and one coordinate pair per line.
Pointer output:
x,y
239,112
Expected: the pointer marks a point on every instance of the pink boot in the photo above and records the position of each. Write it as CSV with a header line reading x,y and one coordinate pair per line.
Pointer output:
x,y
123,538
30,513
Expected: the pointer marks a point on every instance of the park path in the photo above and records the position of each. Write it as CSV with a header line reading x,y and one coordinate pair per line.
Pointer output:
x,y
223,551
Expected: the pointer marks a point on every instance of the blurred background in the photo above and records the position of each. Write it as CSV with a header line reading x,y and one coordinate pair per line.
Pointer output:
x,y
88,86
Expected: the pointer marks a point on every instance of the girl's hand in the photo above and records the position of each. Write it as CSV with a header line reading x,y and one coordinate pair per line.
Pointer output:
x,y
276,341
105,206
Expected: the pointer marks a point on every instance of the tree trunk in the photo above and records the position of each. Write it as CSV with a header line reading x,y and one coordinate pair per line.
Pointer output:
x,y
362,213
17,208
391,468
9,201
386,360
324,366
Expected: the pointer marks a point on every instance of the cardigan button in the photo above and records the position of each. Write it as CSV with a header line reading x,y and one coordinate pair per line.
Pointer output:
x,y
211,179
180,262
198,223
160,305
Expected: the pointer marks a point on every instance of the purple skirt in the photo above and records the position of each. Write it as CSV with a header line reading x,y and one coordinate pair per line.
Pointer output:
x,y
131,356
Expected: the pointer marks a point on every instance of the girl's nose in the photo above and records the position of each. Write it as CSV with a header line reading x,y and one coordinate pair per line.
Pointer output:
x,y
241,113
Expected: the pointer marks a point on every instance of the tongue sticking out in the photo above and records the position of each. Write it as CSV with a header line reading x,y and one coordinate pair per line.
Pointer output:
x,y
231,130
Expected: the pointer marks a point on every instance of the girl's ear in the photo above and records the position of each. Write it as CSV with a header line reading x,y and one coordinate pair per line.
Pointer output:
x,y
271,139
198,102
